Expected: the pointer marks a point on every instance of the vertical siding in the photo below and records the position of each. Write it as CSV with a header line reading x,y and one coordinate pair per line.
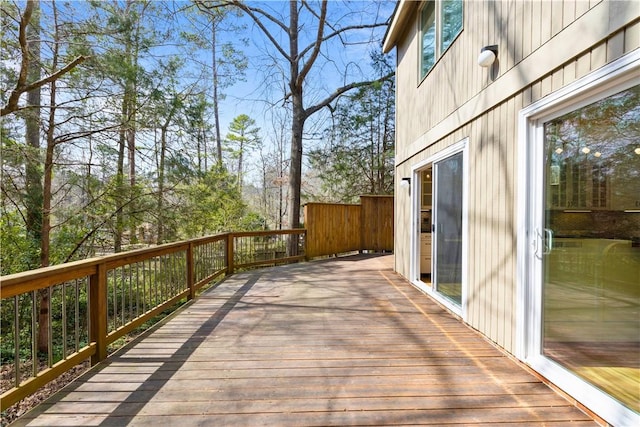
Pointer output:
x,y
526,27
493,201
632,38
519,28
615,46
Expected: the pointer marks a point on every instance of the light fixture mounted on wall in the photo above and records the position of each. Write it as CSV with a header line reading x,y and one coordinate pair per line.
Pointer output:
x,y
488,55
406,182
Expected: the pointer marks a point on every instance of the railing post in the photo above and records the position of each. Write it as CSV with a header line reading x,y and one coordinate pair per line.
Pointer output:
x,y
229,255
190,272
303,236
98,312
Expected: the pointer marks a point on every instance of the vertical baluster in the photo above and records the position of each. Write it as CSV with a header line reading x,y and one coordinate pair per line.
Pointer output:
x,y
155,282
64,320
204,256
76,320
115,298
145,275
172,275
161,269
171,268
219,255
168,266
167,277
197,259
122,292
16,339
50,327
180,277
34,333
138,289
175,281
196,251
130,316
87,287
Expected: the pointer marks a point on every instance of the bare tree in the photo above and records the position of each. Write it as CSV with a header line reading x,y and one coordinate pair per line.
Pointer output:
x,y
284,34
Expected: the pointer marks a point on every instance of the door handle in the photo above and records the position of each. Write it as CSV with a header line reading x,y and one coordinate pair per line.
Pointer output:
x,y
548,243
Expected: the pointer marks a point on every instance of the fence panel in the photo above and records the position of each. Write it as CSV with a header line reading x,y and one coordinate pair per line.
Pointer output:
x,y
377,223
332,228
339,228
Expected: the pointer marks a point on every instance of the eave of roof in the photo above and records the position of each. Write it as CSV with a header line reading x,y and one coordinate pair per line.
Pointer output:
x,y
402,14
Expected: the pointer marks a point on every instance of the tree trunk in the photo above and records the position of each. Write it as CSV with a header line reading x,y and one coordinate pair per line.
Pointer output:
x,y
132,89
160,200
34,173
216,112
119,196
33,161
297,122
295,168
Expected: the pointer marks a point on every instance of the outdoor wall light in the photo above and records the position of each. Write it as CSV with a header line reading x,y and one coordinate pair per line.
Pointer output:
x,y
488,55
406,182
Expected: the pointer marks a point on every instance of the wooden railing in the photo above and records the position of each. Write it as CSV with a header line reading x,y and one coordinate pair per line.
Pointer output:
x,y
93,303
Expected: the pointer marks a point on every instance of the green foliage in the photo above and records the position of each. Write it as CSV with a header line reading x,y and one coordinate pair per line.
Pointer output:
x,y
213,204
242,138
359,156
15,246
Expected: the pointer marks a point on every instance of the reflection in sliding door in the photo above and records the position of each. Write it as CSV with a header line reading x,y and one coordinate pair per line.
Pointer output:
x,y
591,244
448,175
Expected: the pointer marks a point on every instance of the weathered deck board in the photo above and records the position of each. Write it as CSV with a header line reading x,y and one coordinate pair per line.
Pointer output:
x,y
335,342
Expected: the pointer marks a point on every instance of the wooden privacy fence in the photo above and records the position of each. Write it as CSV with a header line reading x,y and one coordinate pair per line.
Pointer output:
x,y
94,302
338,228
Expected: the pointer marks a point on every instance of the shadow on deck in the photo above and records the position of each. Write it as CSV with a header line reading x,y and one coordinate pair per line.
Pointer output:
x,y
343,341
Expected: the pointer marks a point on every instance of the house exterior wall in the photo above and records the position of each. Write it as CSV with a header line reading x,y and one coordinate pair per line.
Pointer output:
x,y
543,46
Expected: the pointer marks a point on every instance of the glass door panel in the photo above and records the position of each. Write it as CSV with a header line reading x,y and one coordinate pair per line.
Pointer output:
x,y
448,175
591,244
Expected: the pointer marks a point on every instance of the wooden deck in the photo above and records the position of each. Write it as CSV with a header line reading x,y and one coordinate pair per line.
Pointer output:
x,y
344,341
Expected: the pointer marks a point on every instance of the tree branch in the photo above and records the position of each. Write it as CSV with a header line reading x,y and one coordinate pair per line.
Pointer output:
x,y
340,31
22,86
253,13
316,46
329,99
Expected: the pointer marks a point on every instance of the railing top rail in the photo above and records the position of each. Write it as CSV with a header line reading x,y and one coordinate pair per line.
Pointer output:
x,y
331,204
14,284
269,232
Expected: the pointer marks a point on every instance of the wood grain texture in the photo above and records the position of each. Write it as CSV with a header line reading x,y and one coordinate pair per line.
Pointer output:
x,y
335,342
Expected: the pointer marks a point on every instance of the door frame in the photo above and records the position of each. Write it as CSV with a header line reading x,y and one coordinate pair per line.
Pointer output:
x,y
414,267
608,80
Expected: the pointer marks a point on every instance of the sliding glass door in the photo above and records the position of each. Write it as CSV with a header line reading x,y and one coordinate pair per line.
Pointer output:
x,y
584,282
448,226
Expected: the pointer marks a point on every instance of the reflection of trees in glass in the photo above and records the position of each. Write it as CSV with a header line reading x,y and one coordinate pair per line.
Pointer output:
x,y
438,34
428,27
594,149
451,22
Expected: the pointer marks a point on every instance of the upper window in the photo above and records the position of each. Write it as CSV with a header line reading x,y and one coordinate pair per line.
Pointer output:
x,y
440,24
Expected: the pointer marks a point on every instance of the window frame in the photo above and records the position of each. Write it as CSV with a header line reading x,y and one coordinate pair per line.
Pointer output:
x,y
437,18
